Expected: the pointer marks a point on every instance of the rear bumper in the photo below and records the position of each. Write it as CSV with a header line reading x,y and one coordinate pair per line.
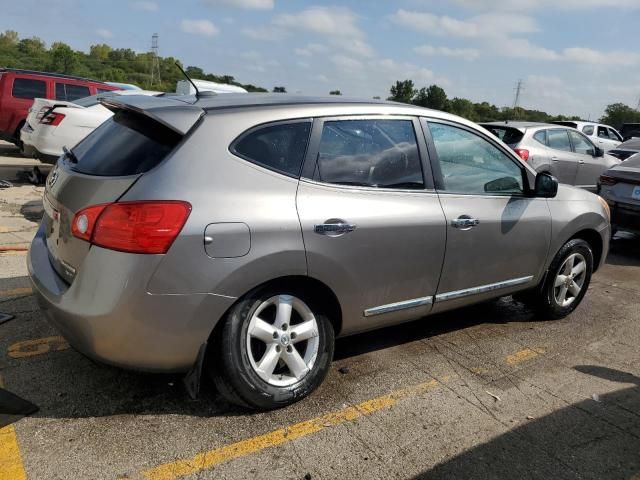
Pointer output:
x,y
107,314
625,216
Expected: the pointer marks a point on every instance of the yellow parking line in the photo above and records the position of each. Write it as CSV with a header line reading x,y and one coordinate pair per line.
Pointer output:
x,y
12,252
11,466
16,291
523,356
206,460
39,346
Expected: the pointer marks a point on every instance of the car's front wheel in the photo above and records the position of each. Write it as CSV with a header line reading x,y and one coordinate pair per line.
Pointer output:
x,y
566,282
274,348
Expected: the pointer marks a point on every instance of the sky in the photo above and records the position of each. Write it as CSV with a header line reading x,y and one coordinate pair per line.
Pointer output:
x,y
573,56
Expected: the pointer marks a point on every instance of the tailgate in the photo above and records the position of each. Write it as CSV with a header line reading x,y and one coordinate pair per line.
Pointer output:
x,y
101,168
41,106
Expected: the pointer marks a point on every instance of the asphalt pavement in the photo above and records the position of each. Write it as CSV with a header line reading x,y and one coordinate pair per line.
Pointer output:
x,y
487,392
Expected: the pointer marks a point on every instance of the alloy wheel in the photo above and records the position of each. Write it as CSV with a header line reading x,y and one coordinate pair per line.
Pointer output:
x,y
570,279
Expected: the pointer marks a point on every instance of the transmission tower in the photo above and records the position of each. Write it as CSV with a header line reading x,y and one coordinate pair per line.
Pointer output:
x,y
155,61
519,88
638,106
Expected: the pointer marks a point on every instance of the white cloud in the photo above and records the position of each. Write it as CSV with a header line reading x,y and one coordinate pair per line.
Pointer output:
x,y
597,57
431,51
104,33
269,34
246,4
480,26
517,5
199,27
345,62
145,6
337,24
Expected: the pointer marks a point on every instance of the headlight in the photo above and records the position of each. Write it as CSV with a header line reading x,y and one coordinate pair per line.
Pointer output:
x,y
605,205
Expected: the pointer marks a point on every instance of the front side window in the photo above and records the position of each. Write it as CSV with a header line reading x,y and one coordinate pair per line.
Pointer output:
x,y
588,129
613,135
61,93
29,88
602,132
369,153
581,144
558,140
75,92
471,164
279,147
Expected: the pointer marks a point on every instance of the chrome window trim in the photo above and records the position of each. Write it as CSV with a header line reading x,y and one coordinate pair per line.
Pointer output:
x,y
442,297
393,307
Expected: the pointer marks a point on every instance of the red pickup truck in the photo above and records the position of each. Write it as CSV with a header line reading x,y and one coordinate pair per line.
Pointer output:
x,y
18,88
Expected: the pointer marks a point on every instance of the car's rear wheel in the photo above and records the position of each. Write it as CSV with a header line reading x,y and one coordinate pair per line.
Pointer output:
x,y
566,282
274,348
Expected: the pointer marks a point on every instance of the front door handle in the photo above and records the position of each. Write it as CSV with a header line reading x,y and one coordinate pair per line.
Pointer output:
x,y
334,227
465,222
555,159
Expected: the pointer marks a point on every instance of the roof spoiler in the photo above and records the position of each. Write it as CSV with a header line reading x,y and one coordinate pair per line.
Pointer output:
x,y
168,111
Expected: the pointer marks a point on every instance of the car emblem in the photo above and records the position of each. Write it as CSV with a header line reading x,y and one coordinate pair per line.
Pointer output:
x,y
53,177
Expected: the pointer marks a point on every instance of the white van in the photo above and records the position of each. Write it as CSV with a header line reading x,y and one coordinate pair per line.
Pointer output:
x,y
183,87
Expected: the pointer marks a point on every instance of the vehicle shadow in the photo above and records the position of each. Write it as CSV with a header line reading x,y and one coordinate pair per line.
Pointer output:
x,y
624,250
32,211
589,439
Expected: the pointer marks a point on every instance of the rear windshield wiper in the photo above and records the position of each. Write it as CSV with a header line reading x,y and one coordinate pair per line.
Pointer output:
x,y
70,155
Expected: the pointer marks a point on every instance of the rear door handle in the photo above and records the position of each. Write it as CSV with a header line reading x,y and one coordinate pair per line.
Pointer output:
x,y
334,228
465,222
555,159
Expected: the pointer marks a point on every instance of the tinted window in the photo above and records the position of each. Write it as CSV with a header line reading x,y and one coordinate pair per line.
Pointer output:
x,y
581,144
602,132
369,153
471,164
510,136
28,88
558,139
61,93
588,129
541,136
75,92
276,147
126,144
103,90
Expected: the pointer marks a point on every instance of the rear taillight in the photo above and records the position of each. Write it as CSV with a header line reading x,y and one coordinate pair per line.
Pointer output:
x,y
607,180
52,119
134,227
522,153
41,113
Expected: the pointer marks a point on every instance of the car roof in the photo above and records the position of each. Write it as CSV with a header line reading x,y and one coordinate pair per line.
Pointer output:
x,y
516,124
48,74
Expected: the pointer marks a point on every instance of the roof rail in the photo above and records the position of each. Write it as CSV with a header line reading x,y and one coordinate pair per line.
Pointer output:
x,y
47,74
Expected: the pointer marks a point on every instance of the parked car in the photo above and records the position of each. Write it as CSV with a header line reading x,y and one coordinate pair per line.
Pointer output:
x,y
626,149
18,88
52,124
184,87
253,229
604,136
561,151
630,130
620,187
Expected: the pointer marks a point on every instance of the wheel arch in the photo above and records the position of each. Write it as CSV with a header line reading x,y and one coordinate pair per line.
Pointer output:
x,y
594,240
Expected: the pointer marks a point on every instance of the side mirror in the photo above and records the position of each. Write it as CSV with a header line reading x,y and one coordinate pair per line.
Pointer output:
x,y
599,152
546,185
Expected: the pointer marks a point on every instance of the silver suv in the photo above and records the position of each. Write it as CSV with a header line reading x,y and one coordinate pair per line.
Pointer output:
x,y
561,151
251,230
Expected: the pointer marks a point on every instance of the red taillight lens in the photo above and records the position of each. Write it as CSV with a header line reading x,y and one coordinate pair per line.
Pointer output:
x,y
134,227
52,119
522,153
607,180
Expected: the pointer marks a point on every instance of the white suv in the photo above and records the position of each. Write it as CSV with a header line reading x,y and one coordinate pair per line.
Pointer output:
x,y
604,136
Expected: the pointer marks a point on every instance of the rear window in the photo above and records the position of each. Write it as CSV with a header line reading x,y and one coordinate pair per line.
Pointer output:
x,y
29,88
508,135
126,144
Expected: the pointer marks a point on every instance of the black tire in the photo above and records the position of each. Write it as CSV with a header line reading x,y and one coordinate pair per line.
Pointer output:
x,y
543,298
18,141
232,371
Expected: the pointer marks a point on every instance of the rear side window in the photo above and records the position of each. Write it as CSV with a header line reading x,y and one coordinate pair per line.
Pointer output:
x,y
587,130
558,140
369,153
126,144
510,136
541,137
29,88
68,92
279,147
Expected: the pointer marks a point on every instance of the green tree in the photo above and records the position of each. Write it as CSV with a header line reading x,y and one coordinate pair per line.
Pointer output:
x,y
63,58
335,92
100,51
433,97
31,46
463,107
279,90
9,39
403,91
618,113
